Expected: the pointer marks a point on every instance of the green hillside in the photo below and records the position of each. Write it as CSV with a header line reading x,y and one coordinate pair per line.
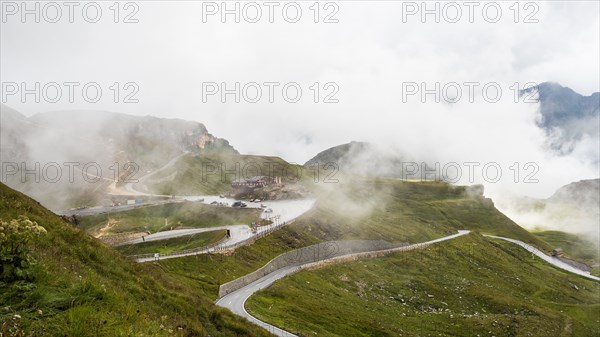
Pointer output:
x,y
395,210
83,288
387,209
470,286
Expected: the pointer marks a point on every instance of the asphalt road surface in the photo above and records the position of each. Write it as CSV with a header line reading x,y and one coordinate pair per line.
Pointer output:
x,y
235,301
238,233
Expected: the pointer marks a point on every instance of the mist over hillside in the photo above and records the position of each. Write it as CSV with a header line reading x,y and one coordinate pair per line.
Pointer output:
x,y
360,158
44,155
573,208
294,169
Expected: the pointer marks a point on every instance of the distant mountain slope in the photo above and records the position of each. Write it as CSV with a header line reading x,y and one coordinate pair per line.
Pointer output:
x,y
584,192
95,138
566,116
361,158
116,127
83,288
101,135
338,153
573,208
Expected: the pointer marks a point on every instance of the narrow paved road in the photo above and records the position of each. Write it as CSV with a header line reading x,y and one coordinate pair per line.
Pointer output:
x,y
284,210
552,260
235,301
238,233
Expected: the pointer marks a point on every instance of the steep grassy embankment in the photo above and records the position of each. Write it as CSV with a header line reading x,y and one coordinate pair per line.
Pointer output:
x,y
83,288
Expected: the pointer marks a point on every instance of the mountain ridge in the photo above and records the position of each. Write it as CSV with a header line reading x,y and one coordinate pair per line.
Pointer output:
x,y
565,115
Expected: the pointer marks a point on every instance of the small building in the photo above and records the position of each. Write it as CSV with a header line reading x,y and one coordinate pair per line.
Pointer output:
x,y
255,182
557,252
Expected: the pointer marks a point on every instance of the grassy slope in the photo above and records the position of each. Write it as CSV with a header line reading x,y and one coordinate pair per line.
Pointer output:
x,y
414,211
466,287
198,240
399,212
152,218
83,288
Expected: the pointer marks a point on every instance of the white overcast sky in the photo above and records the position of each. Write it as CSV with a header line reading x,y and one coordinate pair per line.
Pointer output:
x,y
369,53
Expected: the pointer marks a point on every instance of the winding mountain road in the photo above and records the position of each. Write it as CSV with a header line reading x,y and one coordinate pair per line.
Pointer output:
x,y
236,300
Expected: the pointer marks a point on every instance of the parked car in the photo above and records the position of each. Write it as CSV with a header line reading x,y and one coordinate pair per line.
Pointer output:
x,y
239,204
